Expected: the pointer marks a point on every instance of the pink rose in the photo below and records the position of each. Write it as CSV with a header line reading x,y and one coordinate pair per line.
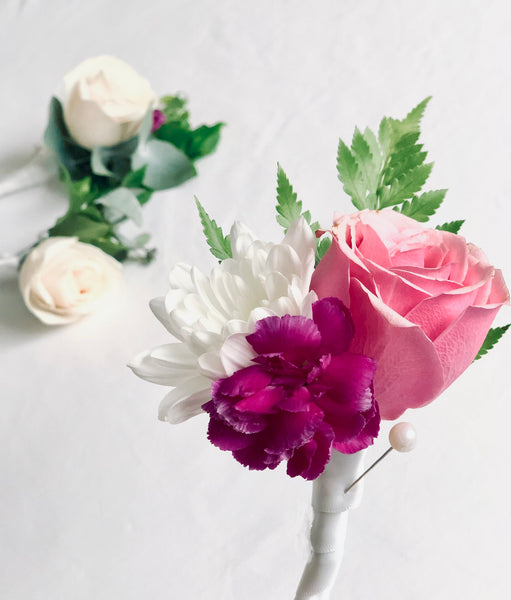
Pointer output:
x,y
422,301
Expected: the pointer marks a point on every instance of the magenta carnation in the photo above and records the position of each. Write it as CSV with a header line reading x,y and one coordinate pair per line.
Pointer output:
x,y
304,394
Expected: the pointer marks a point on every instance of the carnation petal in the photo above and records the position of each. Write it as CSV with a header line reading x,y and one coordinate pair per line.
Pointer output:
x,y
261,402
295,337
243,383
224,437
291,430
310,460
364,438
349,378
255,458
334,323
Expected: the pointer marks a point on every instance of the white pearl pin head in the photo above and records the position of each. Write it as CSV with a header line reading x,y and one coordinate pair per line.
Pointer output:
x,y
403,437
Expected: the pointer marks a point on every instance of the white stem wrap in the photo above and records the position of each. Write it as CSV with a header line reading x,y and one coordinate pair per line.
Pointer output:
x,y
41,167
330,505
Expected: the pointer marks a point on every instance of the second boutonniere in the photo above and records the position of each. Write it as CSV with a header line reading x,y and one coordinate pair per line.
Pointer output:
x,y
116,143
113,142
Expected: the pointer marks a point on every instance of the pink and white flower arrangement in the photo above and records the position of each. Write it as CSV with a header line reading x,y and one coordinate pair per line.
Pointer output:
x,y
295,350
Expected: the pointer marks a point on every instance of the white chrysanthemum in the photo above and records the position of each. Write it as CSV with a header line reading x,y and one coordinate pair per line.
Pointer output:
x,y
210,316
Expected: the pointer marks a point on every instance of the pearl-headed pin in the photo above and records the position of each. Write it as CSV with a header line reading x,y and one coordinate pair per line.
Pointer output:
x,y
402,437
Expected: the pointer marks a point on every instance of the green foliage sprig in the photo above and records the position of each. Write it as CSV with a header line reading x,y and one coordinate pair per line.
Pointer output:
x,y
391,169
109,185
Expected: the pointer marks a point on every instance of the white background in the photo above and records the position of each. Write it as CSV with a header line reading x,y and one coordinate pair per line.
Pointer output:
x,y
98,499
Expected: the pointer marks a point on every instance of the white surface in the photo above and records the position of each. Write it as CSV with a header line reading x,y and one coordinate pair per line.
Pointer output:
x,y
101,501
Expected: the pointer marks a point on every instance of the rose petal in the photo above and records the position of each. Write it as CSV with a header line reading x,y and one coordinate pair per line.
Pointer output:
x,y
331,276
458,345
409,373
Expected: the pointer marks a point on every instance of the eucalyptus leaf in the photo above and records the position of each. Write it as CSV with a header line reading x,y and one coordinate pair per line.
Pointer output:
x,y
122,202
166,165
73,157
145,128
96,163
134,179
80,225
113,161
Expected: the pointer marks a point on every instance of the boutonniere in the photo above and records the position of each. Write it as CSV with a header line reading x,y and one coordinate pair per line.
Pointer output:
x,y
114,142
297,349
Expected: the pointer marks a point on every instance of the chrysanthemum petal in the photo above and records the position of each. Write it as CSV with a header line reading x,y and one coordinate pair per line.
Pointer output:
x,y
236,353
182,393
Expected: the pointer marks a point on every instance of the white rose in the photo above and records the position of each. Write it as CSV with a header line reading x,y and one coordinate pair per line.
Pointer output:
x,y
63,279
105,101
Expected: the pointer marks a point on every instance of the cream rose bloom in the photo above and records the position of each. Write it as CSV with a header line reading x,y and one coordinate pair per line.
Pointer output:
x,y
63,279
105,101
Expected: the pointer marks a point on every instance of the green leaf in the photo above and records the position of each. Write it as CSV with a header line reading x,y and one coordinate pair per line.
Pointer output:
x,y
423,206
113,247
80,225
413,119
96,163
491,339
322,247
166,165
452,226
134,179
74,158
349,174
219,245
203,140
114,161
144,196
81,193
146,127
368,168
393,130
175,110
406,186
377,157
121,203
174,134
289,208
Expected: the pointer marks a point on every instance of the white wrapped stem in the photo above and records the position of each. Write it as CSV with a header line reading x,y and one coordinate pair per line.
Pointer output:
x,y
41,167
328,532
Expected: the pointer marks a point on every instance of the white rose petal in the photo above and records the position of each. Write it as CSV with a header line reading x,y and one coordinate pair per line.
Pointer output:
x,y
63,279
105,101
